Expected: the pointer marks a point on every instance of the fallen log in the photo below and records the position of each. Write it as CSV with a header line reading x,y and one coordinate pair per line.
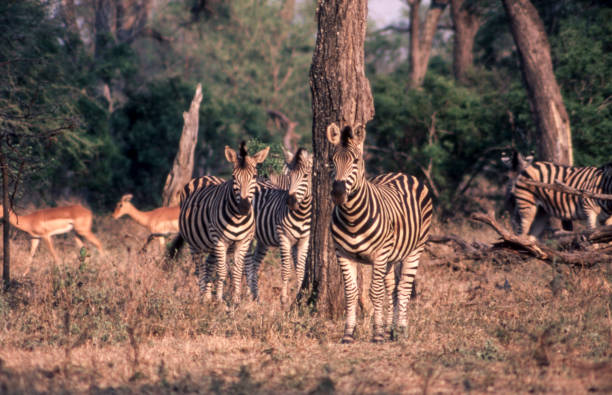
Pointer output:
x,y
560,187
531,246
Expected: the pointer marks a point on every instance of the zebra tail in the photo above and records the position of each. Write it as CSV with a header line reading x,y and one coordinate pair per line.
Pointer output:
x,y
175,246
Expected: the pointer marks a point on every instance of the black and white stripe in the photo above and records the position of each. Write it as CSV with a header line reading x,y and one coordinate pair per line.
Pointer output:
x,y
527,198
283,220
217,218
384,222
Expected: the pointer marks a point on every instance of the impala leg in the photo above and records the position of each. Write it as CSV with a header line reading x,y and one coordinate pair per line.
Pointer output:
x,y
94,240
253,261
78,242
349,277
405,286
33,246
49,243
162,244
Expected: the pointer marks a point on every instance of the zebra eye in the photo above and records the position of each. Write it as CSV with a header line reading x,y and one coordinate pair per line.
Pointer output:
x,y
355,161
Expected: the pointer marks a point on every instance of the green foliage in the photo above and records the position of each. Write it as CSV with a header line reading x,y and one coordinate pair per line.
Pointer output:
x,y
453,128
41,82
275,160
583,66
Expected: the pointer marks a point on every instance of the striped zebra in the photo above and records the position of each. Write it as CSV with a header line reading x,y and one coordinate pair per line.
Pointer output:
x,y
217,218
283,220
527,198
384,222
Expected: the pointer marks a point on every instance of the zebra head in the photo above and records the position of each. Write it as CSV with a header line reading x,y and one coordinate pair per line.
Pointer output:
x,y
347,157
299,170
244,175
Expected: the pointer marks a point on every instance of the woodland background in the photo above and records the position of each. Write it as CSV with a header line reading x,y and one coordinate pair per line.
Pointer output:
x,y
92,92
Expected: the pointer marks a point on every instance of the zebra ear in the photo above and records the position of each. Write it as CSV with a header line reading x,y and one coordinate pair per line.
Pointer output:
x,y
506,159
359,133
333,133
261,155
230,154
523,162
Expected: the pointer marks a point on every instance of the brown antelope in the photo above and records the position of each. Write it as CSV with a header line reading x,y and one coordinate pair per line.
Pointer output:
x,y
160,222
43,224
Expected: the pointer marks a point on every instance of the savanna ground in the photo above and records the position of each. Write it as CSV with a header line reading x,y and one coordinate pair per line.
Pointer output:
x,y
129,323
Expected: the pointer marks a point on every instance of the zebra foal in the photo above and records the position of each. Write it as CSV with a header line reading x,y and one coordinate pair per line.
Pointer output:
x,y
527,198
383,222
217,218
282,219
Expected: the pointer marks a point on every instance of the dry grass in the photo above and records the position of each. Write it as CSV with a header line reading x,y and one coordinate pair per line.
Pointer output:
x,y
128,323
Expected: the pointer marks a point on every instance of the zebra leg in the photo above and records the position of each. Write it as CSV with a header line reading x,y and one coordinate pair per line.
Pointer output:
x,y
526,215
377,295
240,251
286,261
349,276
205,274
300,266
390,288
220,256
253,261
404,287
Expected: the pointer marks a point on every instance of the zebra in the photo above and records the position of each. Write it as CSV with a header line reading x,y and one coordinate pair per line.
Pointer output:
x,y
283,220
217,218
384,222
527,198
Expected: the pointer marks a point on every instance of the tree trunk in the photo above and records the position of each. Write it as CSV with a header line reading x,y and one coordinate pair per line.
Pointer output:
x,y
555,143
6,226
182,168
340,93
422,40
466,19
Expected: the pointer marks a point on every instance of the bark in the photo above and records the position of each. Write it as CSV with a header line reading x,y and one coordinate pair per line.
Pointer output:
x,y
6,226
68,14
340,93
182,168
555,143
421,39
466,20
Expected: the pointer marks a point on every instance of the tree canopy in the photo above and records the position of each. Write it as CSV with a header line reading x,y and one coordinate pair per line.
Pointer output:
x,y
102,109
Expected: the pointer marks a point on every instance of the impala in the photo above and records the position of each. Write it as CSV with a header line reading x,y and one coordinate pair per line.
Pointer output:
x,y
160,222
43,224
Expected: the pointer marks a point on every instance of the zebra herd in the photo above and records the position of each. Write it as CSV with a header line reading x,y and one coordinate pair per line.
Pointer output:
x,y
383,221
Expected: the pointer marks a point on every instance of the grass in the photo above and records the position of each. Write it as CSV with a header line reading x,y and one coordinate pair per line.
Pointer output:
x,y
129,323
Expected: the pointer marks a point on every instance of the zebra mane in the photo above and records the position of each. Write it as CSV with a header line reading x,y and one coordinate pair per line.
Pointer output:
x,y
243,154
346,135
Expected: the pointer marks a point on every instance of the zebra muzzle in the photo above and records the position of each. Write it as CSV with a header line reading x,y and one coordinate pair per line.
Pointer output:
x,y
292,202
338,192
244,206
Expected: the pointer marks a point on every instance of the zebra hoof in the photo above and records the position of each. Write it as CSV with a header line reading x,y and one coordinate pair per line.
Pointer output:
x,y
378,339
347,339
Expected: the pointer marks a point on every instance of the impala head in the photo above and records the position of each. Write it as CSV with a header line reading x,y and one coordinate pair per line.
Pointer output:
x,y
299,170
244,175
122,205
347,158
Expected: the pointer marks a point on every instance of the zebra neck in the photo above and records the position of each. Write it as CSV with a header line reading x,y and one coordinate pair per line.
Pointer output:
x,y
305,205
358,201
233,202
